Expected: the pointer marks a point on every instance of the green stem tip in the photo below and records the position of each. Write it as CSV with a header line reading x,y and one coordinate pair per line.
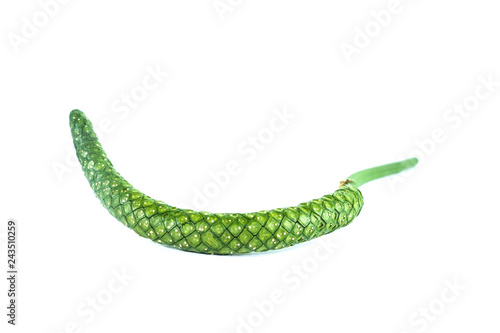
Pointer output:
x,y
364,176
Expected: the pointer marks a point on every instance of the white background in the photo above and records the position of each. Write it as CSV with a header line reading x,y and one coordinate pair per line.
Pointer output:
x,y
416,235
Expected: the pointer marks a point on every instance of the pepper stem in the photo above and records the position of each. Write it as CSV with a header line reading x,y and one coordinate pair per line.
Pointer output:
x,y
364,176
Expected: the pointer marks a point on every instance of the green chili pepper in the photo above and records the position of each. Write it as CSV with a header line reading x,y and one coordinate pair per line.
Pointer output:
x,y
217,233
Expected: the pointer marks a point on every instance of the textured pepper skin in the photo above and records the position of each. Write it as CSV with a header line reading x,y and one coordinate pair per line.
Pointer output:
x,y
205,232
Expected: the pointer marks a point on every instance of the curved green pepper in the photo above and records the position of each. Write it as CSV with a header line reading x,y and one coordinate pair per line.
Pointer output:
x,y
217,233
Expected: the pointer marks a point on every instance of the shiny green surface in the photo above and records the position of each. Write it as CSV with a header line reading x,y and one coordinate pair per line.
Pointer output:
x,y
205,232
